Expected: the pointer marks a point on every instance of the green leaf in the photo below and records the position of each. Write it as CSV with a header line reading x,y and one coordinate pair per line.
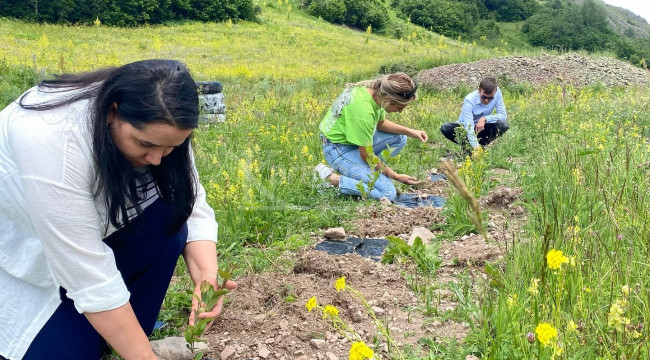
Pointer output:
x,y
225,274
588,152
189,334
496,277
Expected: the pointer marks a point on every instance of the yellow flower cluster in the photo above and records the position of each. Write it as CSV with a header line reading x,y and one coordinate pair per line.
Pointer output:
x,y
555,259
512,299
615,318
533,288
545,333
311,303
330,311
361,351
571,326
340,284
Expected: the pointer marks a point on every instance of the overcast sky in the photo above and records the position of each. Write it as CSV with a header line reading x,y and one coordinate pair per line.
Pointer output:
x,y
639,7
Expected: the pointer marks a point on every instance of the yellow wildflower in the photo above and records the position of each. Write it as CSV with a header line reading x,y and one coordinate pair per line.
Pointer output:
x,y
511,300
340,284
626,290
545,333
533,288
571,326
330,311
361,351
615,317
311,303
555,259
587,289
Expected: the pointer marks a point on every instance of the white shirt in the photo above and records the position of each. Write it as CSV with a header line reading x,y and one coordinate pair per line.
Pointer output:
x,y
473,109
51,226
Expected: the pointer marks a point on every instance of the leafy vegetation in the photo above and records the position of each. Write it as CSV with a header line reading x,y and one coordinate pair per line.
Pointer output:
x,y
126,12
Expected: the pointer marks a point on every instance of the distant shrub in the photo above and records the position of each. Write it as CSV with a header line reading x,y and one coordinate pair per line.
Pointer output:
x,y
512,10
447,17
358,14
329,10
409,69
487,28
571,27
127,12
361,13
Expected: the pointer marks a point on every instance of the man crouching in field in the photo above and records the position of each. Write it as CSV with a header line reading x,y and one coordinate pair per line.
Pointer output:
x,y
476,116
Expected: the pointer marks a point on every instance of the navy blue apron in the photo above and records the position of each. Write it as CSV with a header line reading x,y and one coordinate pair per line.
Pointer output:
x,y
146,257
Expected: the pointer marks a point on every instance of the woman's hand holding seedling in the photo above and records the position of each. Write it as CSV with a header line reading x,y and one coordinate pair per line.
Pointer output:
x,y
207,303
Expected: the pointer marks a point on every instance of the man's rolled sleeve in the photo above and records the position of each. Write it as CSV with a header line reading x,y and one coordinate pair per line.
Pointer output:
x,y
467,120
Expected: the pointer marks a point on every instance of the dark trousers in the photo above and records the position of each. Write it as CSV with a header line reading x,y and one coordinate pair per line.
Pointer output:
x,y
146,257
486,136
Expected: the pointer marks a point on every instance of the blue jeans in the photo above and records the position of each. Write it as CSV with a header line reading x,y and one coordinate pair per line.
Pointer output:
x,y
346,160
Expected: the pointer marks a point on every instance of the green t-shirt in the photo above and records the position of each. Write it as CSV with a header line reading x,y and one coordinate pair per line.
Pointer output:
x,y
353,118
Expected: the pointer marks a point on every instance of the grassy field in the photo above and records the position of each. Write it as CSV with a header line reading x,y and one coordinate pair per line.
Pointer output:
x,y
581,156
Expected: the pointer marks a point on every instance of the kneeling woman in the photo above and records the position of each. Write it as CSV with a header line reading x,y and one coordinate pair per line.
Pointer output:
x,y
357,120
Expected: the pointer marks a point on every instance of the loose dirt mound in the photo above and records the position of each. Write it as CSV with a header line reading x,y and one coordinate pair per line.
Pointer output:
x,y
501,197
267,319
575,69
267,311
394,220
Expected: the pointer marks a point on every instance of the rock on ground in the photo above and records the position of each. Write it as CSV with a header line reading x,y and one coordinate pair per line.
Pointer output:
x,y
335,233
423,233
174,348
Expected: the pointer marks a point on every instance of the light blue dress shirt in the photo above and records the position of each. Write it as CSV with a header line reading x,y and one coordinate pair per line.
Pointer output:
x,y
473,109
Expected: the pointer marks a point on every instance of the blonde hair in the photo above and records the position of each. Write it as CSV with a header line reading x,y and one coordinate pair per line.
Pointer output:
x,y
397,88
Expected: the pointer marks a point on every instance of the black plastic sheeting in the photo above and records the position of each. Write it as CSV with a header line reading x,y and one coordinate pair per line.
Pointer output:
x,y
413,200
368,248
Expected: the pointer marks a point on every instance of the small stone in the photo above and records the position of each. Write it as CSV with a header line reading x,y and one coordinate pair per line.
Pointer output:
x,y
299,352
335,233
471,357
228,352
317,343
331,356
377,310
284,324
263,352
171,348
385,202
423,233
358,316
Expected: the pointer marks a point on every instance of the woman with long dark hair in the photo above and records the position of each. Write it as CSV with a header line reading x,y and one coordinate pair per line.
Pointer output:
x,y
99,197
